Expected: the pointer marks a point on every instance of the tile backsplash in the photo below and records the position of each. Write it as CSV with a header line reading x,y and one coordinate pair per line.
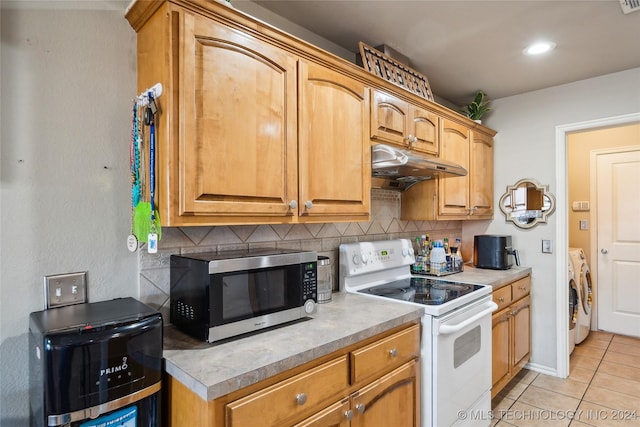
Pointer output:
x,y
324,239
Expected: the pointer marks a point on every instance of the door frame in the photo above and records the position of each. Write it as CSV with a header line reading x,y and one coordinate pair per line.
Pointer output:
x,y
593,231
562,228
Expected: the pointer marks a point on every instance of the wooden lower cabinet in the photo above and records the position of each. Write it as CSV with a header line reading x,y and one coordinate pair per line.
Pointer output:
x,y
511,334
390,401
333,391
393,400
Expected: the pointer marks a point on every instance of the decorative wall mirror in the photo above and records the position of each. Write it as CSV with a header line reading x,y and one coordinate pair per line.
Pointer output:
x,y
527,203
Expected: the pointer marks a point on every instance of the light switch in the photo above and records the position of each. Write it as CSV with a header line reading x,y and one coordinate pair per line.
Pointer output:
x,y
547,247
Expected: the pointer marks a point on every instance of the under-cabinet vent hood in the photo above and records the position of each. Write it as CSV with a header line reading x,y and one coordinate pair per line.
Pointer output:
x,y
397,169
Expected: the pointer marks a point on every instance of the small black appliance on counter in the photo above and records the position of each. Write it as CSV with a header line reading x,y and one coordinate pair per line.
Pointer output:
x,y
96,364
492,252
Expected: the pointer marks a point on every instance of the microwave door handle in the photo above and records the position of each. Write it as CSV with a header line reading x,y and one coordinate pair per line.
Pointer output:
x,y
451,329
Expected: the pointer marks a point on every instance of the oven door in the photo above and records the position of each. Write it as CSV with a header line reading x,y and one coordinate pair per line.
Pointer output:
x,y
462,365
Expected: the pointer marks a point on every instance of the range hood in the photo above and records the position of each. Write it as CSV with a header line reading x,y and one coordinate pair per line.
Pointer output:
x,y
398,169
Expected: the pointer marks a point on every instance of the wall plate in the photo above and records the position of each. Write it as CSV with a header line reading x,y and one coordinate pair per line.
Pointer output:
x,y
65,289
547,247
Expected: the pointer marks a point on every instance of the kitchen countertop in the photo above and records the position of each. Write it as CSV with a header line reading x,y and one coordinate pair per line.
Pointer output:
x,y
213,370
494,278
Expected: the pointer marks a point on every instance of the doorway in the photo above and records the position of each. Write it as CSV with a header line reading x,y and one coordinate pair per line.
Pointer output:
x,y
562,230
616,249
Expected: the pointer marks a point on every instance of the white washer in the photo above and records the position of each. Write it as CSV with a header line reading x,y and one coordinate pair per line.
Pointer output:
x,y
573,308
585,295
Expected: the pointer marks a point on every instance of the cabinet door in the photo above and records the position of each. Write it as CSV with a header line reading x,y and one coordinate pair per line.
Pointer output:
x,y
454,191
393,400
389,119
237,139
521,331
481,176
336,415
424,129
334,150
290,398
501,363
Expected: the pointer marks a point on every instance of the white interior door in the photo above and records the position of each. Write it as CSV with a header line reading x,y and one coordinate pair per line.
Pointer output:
x,y
618,242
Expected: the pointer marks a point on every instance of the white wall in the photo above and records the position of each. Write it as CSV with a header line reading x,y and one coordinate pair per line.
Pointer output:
x,y
525,147
68,79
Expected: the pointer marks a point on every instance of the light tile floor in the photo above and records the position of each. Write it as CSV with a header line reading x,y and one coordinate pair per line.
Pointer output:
x,y
603,389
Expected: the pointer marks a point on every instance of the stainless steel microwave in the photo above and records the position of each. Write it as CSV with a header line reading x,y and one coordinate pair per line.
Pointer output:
x,y
214,296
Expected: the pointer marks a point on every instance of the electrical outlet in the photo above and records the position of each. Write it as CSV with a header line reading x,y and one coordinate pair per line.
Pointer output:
x,y
65,289
584,224
547,247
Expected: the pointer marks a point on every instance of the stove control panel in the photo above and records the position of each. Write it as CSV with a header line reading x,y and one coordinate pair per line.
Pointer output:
x,y
368,257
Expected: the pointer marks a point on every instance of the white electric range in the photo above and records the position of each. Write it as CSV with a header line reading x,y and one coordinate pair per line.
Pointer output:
x,y
456,328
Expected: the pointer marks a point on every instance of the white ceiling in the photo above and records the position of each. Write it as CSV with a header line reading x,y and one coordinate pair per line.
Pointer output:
x,y
464,46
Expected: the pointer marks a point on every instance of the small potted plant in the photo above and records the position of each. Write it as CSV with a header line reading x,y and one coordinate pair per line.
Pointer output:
x,y
478,107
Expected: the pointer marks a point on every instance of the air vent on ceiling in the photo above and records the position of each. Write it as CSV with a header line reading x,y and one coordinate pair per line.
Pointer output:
x,y
629,6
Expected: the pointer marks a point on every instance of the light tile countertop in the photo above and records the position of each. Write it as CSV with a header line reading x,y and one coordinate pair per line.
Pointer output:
x,y
495,278
213,370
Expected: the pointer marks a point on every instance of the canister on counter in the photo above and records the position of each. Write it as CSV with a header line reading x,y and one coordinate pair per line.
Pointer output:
x,y
325,281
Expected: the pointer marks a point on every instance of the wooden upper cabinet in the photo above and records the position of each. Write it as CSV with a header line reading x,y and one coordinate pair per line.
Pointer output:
x,y
481,175
248,131
467,197
238,143
425,130
454,191
334,157
398,122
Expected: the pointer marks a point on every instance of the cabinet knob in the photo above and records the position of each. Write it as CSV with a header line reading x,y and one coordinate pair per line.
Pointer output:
x,y
293,204
523,289
301,398
393,352
348,414
360,407
308,204
501,299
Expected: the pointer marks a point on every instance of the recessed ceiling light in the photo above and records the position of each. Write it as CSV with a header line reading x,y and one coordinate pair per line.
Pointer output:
x,y
539,48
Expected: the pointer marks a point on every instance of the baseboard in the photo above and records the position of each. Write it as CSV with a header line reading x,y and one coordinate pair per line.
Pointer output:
x,y
542,369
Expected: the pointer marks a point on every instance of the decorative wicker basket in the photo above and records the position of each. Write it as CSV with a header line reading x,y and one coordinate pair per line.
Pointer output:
x,y
393,71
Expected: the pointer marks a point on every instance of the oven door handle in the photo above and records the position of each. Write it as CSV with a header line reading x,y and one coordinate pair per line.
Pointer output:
x,y
450,329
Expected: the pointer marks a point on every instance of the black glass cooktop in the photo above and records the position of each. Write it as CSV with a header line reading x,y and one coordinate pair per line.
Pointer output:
x,y
422,290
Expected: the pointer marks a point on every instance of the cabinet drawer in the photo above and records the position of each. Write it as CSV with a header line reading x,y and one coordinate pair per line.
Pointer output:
x,y
381,355
284,400
521,288
502,297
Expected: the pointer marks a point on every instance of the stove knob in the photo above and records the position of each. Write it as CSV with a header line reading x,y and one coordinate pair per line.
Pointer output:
x,y
365,258
356,259
411,252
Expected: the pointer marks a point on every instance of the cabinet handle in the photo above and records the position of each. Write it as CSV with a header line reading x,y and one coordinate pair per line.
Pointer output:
x,y
348,415
301,398
293,204
523,289
308,204
501,299
393,352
